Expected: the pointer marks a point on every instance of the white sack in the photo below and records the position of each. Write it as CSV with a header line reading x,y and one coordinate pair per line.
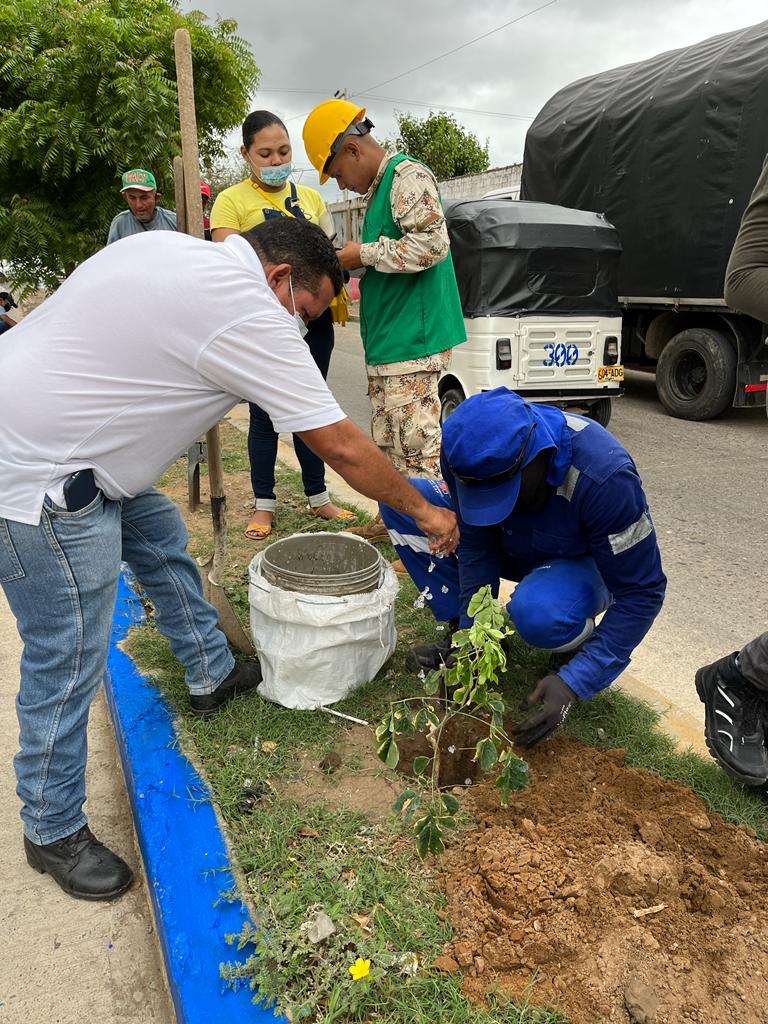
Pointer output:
x,y
315,650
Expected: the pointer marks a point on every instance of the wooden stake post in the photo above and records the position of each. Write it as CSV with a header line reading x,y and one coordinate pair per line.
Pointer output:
x,y
187,185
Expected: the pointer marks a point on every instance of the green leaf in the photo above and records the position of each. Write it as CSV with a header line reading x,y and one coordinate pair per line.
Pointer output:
x,y
486,754
387,751
401,722
407,804
449,802
429,835
432,716
432,682
513,775
420,765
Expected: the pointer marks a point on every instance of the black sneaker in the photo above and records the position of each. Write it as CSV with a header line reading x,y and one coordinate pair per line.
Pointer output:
x,y
733,722
245,676
82,866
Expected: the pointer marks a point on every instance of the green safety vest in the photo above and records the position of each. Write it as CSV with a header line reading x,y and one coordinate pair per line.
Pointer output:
x,y
405,316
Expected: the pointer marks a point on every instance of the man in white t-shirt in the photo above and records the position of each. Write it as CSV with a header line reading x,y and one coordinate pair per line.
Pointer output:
x,y
102,387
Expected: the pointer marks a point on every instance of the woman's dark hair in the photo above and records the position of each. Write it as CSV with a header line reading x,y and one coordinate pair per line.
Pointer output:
x,y
257,120
305,246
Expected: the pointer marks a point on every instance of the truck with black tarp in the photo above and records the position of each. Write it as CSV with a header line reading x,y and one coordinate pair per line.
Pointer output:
x,y
669,149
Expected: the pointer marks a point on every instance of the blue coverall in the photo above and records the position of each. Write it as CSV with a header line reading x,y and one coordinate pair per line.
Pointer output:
x,y
591,547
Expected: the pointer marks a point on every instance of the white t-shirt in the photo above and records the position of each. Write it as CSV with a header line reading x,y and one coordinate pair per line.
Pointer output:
x,y
143,349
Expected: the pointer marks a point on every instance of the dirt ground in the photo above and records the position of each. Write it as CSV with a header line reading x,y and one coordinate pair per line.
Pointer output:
x,y
604,890
611,893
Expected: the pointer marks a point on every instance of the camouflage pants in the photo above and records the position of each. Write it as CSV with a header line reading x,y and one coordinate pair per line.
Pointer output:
x,y
405,418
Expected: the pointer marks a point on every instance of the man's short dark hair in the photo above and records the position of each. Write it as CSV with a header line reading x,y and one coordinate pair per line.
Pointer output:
x,y
305,246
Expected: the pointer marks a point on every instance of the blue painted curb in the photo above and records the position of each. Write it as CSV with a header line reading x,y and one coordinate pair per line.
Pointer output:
x,y
185,856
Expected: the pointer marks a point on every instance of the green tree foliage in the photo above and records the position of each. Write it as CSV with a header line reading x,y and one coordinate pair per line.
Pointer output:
x,y
440,142
88,90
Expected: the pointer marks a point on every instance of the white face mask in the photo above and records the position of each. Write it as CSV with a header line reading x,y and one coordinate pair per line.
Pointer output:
x,y
296,315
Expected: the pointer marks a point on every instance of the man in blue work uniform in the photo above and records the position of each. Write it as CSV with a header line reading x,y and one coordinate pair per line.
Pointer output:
x,y
553,501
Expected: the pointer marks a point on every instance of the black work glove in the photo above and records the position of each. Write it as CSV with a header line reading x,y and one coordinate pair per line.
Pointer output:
x,y
554,698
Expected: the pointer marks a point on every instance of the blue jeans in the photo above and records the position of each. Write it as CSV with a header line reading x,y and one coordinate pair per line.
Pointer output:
x,y
553,607
60,579
262,439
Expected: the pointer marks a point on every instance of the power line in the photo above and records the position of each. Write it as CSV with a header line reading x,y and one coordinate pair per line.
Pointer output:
x,y
463,46
445,106
412,103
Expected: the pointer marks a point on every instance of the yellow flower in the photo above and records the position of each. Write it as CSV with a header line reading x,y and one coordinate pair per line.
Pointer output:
x,y
360,969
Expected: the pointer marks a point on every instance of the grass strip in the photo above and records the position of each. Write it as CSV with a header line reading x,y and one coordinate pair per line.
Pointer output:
x,y
298,859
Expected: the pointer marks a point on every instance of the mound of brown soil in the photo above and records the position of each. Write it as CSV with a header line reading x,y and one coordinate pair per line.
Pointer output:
x,y
611,893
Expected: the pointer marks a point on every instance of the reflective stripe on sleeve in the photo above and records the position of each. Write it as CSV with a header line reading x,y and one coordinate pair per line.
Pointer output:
x,y
632,535
409,540
568,486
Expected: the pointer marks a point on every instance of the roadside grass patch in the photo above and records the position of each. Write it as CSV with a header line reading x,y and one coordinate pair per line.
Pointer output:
x,y
298,859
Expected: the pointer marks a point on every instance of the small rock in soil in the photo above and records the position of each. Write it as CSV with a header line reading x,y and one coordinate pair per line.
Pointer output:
x,y
464,953
700,821
641,1001
446,964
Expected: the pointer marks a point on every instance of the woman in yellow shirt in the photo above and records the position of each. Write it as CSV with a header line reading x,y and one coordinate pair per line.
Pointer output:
x,y
267,192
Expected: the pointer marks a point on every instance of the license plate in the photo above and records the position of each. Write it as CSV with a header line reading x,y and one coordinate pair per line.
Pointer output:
x,y
608,373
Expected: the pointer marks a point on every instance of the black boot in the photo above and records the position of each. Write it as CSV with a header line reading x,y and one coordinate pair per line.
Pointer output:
x,y
83,867
244,677
733,721
425,657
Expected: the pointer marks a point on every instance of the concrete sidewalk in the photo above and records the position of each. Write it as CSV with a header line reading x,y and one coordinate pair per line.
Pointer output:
x,y
66,960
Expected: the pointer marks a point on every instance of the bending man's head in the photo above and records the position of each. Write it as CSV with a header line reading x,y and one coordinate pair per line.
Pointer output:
x,y
299,262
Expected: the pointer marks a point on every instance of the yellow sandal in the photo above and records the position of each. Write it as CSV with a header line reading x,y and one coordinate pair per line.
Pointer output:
x,y
344,516
258,531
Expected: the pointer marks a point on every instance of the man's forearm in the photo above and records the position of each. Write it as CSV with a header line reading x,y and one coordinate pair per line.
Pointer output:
x,y
355,457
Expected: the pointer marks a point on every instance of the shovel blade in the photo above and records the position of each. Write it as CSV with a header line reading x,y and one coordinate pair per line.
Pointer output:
x,y
228,620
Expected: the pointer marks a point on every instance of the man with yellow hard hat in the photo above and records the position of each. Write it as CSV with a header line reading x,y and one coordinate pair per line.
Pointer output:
x,y
410,313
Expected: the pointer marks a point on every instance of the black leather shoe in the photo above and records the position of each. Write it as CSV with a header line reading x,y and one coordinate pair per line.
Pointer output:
x,y
244,677
83,867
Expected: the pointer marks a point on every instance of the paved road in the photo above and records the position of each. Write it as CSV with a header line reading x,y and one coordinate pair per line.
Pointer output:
x,y
706,487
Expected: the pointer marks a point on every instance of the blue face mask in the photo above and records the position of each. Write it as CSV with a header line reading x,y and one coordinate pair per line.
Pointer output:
x,y
275,175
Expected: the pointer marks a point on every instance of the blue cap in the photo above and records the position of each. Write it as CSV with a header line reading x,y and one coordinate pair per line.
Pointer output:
x,y
487,442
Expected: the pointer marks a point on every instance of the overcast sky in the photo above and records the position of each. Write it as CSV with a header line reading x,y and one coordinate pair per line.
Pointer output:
x,y
307,49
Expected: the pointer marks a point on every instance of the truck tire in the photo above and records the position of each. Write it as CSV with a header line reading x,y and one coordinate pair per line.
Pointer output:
x,y
696,374
601,411
450,400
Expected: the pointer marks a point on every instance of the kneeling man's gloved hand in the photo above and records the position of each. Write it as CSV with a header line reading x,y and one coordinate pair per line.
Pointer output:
x,y
554,698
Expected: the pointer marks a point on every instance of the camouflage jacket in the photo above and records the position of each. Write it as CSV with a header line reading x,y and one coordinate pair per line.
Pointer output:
x,y
418,213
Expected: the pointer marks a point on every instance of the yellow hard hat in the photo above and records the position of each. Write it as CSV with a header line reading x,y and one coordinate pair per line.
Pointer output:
x,y
324,129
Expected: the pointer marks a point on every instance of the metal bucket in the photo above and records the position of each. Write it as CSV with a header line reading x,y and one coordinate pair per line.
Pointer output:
x,y
333,564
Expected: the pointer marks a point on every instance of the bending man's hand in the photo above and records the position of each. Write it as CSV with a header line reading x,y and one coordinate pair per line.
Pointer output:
x,y
439,524
554,698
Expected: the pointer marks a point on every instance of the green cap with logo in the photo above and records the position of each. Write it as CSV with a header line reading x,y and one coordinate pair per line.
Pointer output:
x,y
140,179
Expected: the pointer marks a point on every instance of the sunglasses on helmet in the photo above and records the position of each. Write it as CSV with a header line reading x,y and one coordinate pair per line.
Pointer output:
x,y
359,128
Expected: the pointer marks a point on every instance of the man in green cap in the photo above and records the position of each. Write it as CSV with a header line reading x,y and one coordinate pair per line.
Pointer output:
x,y
143,214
